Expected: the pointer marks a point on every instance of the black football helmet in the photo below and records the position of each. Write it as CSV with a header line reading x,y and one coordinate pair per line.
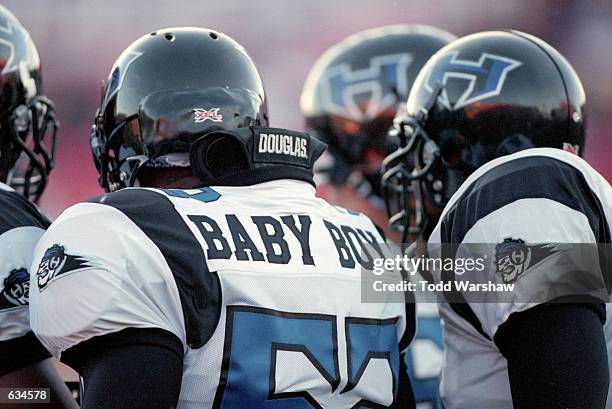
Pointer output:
x,y
28,126
481,97
351,95
164,91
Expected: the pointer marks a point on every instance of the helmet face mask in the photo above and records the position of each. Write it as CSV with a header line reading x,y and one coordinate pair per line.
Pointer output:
x,y
32,126
28,126
164,92
481,97
405,172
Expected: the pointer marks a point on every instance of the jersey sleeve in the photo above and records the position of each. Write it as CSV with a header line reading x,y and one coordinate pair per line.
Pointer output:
x,y
18,346
16,249
21,226
539,226
96,273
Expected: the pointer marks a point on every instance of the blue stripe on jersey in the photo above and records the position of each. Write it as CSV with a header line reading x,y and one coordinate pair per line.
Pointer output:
x,y
205,194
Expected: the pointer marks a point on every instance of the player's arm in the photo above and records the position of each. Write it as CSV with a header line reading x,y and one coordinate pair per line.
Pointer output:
x,y
551,346
133,368
103,300
555,349
19,353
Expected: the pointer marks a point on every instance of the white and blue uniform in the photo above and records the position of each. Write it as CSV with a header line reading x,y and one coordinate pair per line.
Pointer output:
x,y
21,226
261,284
535,196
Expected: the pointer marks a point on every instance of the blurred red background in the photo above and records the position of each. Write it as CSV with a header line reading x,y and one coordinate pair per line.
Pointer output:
x,y
78,42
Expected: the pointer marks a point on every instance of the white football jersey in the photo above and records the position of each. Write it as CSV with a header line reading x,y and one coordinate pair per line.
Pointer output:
x,y
260,283
540,195
21,226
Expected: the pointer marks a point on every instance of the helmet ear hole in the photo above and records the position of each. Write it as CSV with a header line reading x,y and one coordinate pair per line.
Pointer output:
x,y
223,155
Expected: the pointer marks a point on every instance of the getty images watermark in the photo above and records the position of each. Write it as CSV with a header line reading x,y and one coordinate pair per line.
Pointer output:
x,y
412,266
509,271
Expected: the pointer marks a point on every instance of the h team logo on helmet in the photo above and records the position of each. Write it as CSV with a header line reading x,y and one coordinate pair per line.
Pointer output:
x,y
485,78
18,47
119,71
379,85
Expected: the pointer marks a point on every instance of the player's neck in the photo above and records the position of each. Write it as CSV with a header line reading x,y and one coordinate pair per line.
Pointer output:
x,y
171,178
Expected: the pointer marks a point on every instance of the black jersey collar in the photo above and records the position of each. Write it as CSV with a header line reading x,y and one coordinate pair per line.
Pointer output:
x,y
254,155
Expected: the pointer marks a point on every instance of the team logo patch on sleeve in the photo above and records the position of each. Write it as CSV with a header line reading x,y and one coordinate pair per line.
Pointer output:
x,y
16,289
513,257
56,262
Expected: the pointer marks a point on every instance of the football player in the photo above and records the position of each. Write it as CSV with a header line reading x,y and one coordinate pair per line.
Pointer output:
x,y
490,156
27,142
349,101
221,281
